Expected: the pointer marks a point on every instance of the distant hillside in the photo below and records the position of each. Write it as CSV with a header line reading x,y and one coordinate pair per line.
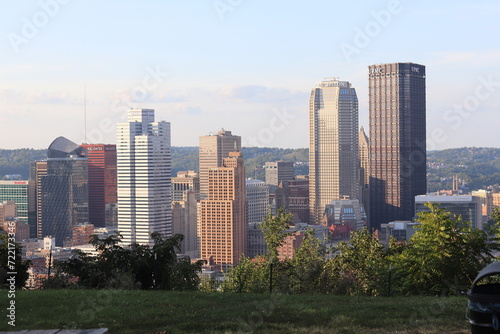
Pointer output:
x,y
476,167
18,161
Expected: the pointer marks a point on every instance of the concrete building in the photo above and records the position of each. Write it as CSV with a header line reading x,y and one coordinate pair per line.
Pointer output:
x,y
144,173
486,197
102,183
496,200
278,171
364,158
467,206
184,221
333,145
258,200
185,181
397,140
293,196
223,216
342,217
82,234
22,193
400,230
213,149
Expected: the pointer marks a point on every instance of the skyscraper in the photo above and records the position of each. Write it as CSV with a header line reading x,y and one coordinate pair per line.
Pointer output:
x,y
37,170
185,196
63,190
258,200
277,171
397,140
213,149
333,145
143,177
223,216
102,182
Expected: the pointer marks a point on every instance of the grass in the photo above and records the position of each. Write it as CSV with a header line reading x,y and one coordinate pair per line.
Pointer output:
x,y
196,312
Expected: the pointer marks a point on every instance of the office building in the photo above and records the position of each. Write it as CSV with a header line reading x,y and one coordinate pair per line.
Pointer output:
x,y
63,190
344,216
258,200
143,177
293,196
364,158
467,206
22,193
102,183
81,234
38,169
278,171
333,145
397,141
185,181
213,149
223,216
184,221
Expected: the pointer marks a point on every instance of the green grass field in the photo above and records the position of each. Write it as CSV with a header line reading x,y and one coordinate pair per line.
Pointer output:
x,y
196,312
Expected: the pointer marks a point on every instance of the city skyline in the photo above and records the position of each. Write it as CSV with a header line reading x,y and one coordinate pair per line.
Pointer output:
x,y
206,66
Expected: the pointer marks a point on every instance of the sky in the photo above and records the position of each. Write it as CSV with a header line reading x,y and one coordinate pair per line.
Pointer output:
x,y
73,68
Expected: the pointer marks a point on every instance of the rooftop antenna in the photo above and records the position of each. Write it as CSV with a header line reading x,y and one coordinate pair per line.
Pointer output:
x,y
85,109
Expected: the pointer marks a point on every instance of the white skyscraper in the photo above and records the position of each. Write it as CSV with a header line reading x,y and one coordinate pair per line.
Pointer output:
x,y
143,177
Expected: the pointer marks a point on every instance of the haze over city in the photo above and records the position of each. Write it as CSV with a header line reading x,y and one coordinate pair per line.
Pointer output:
x,y
246,66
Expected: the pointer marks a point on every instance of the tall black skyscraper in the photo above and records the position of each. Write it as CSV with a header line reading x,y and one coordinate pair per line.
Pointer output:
x,y
397,140
63,190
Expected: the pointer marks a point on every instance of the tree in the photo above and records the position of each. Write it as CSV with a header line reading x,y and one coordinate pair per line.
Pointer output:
x,y
275,232
137,266
307,266
250,275
360,268
445,254
12,262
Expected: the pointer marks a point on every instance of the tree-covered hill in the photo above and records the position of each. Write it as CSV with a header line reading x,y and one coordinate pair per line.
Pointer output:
x,y
476,167
18,161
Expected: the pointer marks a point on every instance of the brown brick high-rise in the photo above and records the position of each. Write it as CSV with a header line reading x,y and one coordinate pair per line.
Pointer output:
x,y
223,216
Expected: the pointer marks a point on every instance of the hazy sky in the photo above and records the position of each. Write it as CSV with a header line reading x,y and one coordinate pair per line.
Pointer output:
x,y
243,65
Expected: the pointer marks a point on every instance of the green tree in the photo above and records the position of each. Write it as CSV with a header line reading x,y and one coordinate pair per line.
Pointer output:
x,y
250,275
11,261
306,268
360,266
137,266
275,232
444,255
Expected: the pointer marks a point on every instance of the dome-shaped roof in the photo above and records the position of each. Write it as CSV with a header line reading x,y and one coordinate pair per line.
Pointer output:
x,y
64,148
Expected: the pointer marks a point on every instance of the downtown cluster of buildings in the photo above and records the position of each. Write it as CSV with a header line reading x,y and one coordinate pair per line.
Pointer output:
x,y
355,180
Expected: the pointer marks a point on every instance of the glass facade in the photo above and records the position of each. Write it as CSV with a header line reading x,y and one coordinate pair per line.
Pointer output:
x,y
63,190
397,140
23,194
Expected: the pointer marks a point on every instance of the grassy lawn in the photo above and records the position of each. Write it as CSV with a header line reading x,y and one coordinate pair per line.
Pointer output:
x,y
196,312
